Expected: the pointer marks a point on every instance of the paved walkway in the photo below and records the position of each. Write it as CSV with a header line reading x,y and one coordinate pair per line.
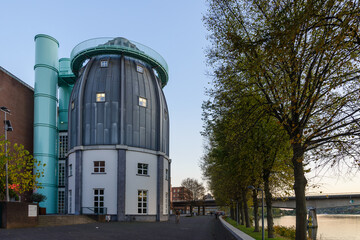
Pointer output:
x,y
197,228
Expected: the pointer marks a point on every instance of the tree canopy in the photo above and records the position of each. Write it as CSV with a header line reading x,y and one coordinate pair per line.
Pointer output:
x,y
21,175
299,62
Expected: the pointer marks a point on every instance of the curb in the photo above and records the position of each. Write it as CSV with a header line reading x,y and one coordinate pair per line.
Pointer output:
x,y
239,235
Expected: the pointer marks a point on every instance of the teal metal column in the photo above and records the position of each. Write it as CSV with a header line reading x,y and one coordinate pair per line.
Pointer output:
x,y
64,92
45,116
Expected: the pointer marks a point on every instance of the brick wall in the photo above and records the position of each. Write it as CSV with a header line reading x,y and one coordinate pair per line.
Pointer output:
x,y
19,98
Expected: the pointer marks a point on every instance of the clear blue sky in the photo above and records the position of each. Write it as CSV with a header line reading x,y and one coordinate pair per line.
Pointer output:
x,y
172,28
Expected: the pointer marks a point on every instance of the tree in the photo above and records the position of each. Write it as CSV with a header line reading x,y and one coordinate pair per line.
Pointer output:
x,y
197,189
302,59
21,175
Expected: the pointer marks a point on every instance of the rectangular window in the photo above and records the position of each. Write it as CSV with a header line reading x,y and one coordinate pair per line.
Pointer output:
x,y
104,64
70,201
99,166
139,69
166,203
61,181
166,174
100,97
61,202
142,102
70,170
99,201
142,201
143,168
63,145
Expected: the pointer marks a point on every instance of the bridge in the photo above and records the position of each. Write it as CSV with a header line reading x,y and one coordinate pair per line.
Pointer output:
x,y
320,201
199,204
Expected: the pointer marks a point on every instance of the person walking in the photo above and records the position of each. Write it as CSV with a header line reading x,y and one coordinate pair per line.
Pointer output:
x,y
177,216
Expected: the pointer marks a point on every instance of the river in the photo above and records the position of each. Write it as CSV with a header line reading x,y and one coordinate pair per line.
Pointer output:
x,y
331,226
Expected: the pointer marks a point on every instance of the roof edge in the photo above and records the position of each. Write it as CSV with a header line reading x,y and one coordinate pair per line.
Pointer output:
x,y
16,78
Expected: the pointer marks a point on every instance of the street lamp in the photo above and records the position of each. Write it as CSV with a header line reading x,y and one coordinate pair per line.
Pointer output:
x,y
262,210
7,127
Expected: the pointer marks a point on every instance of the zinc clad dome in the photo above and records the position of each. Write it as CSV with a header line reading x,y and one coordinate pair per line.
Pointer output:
x,y
118,100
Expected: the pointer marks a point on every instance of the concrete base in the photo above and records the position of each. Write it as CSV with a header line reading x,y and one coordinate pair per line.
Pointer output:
x,y
145,218
18,214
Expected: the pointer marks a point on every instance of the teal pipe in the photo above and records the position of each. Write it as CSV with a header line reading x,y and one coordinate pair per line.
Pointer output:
x,y
45,117
64,94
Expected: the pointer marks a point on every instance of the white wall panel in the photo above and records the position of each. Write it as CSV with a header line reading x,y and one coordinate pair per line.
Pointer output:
x,y
135,182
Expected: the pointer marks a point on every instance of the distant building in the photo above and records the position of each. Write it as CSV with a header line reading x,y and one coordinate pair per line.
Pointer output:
x,y
181,194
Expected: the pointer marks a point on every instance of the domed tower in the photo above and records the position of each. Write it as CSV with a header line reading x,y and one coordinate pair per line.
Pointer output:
x,y
118,158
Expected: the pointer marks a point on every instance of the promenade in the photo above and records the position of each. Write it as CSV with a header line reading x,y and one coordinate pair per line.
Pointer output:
x,y
197,228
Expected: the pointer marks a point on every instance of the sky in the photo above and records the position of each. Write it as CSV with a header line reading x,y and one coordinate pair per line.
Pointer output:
x,y
172,28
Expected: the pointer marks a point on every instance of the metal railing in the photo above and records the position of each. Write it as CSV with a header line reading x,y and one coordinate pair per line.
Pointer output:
x,y
94,210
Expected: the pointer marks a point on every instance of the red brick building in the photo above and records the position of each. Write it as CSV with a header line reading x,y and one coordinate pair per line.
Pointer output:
x,y
181,194
18,97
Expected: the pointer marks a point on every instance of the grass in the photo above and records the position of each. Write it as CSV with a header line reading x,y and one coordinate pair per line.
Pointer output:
x,y
250,231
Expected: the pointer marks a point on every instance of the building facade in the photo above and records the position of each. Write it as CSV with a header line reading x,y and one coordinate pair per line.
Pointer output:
x,y
181,194
108,142
21,108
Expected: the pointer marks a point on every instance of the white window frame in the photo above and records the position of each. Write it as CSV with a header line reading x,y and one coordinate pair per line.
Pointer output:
x,y
70,201
61,201
143,201
98,168
166,203
99,200
104,63
142,102
100,97
139,69
143,169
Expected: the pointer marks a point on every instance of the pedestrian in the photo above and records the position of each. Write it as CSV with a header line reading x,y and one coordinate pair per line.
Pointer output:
x,y
177,216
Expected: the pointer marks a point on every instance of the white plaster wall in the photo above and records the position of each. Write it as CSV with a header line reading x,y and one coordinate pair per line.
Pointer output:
x,y
71,182
107,181
135,183
166,187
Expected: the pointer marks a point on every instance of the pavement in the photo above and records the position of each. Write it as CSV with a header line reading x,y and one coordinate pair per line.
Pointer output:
x,y
189,228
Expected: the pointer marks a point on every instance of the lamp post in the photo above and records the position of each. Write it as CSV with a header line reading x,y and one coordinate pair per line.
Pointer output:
x,y
7,127
262,210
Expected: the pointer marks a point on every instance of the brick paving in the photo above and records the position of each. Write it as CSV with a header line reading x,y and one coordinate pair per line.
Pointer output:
x,y
189,228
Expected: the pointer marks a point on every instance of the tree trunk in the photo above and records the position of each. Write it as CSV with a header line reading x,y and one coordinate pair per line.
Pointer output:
x,y
299,187
268,198
232,210
256,210
242,214
246,209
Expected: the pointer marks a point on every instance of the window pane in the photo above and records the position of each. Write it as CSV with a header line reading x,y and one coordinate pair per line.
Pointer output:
x,y
144,210
101,191
100,97
139,69
139,210
142,102
102,163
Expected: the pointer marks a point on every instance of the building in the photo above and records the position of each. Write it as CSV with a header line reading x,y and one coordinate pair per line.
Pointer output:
x,y
181,194
21,108
100,122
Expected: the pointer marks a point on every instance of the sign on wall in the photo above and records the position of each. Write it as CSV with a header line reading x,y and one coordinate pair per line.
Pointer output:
x,y
32,211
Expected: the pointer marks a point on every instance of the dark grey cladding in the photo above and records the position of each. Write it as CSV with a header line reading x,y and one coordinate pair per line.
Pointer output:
x,y
119,119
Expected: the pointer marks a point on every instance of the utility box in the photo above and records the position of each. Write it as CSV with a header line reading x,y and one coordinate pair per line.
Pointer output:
x,y
18,214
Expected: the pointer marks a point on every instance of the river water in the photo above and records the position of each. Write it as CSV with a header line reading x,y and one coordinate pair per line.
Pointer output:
x,y
331,226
